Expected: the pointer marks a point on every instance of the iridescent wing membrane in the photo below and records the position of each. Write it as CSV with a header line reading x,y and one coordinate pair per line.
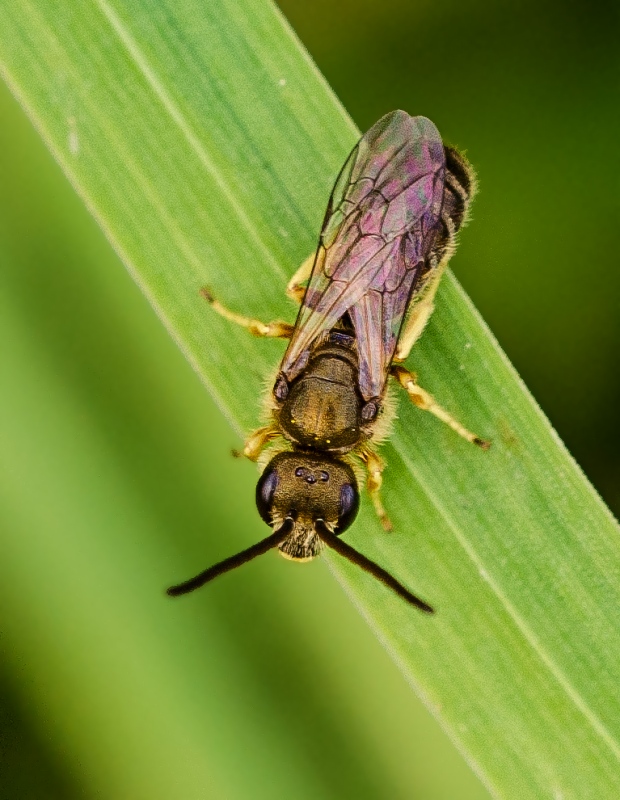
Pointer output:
x,y
381,221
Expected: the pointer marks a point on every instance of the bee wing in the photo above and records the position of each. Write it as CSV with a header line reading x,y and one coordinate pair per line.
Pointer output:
x,y
380,225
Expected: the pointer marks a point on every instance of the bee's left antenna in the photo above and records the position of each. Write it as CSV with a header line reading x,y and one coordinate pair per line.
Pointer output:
x,y
234,561
344,549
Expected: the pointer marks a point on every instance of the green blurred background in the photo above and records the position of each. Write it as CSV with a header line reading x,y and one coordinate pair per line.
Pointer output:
x,y
110,444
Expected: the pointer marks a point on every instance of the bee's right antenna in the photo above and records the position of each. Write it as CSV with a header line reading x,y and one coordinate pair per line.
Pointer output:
x,y
331,540
234,561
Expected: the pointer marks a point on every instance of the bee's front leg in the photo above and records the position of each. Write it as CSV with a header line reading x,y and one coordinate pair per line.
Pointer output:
x,y
272,330
256,442
375,466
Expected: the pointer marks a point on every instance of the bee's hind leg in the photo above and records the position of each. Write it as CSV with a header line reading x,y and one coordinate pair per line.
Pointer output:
x,y
422,399
275,329
375,466
419,316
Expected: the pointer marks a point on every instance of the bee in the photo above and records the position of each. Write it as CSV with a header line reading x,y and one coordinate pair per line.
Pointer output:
x,y
366,295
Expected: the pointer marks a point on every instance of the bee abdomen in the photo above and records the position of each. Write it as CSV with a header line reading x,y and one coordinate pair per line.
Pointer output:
x,y
459,187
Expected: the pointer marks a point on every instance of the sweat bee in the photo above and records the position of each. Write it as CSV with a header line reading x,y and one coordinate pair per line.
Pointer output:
x,y
366,294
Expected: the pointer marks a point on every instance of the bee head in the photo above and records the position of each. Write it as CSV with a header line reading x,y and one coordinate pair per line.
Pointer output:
x,y
306,488
309,499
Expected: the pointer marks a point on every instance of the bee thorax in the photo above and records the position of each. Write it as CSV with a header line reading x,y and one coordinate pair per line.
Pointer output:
x,y
322,408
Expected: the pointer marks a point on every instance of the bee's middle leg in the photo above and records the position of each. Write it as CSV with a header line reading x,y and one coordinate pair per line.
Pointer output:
x,y
273,330
422,399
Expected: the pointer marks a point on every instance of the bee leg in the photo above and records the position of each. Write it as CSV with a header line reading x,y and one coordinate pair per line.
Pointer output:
x,y
422,399
276,329
294,288
375,466
256,442
419,316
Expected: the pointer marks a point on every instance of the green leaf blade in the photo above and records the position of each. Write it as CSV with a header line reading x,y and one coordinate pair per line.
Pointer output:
x,y
173,123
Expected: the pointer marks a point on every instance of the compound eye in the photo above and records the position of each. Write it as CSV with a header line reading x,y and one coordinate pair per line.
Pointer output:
x,y
265,490
348,508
